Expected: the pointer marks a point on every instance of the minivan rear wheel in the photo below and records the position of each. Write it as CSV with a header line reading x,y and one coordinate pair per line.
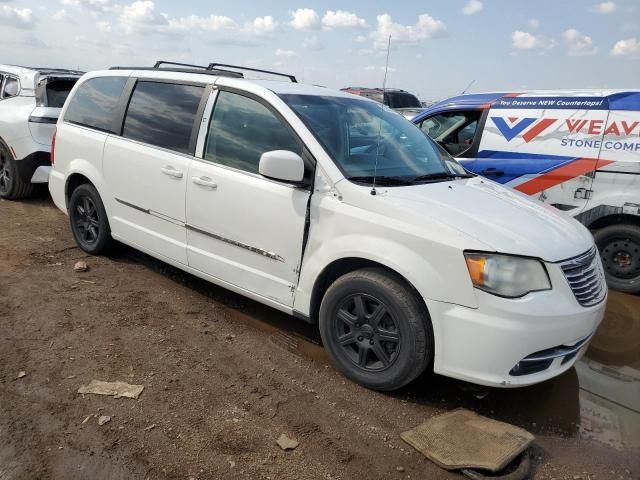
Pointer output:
x,y
88,218
619,247
11,185
376,330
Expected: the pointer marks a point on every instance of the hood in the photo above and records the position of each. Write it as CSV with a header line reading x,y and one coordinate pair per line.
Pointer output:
x,y
505,220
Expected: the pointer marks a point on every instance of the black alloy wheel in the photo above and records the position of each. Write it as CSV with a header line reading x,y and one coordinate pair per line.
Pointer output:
x,y
367,332
376,329
88,219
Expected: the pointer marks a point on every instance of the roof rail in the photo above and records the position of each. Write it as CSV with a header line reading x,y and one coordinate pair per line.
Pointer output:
x,y
186,69
212,66
159,64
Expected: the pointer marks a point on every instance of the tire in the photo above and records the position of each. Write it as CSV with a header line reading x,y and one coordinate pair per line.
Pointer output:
x,y
619,247
11,185
376,329
88,219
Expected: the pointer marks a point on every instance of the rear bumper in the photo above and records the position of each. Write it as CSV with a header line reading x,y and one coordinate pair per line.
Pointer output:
x,y
57,189
28,165
512,342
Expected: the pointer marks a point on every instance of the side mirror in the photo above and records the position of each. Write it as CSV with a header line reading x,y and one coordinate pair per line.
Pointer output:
x,y
282,165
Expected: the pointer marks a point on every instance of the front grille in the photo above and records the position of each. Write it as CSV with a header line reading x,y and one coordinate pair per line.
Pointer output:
x,y
586,278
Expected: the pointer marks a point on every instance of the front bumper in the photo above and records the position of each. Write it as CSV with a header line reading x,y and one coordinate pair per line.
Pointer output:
x,y
487,345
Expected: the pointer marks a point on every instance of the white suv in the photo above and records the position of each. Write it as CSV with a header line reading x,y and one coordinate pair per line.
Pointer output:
x,y
267,188
30,101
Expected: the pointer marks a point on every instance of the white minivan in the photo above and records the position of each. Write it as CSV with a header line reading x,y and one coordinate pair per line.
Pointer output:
x,y
336,210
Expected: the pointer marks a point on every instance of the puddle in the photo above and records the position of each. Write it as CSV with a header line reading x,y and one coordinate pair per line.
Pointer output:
x,y
598,400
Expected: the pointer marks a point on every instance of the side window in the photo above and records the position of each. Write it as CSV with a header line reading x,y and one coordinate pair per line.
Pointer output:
x,y
455,131
163,114
94,103
241,130
10,87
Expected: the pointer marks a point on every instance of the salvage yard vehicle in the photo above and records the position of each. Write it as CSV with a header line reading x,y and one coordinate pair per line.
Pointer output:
x,y
403,102
334,209
30,101
576,150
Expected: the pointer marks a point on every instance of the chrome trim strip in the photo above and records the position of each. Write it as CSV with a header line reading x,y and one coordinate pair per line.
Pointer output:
x,y
557,352
135,207
259,251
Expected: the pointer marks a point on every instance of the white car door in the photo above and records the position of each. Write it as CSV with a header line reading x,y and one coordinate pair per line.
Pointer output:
x,y
147,166
244,229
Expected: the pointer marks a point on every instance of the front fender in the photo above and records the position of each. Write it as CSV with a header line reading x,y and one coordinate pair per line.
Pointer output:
x,y
440,276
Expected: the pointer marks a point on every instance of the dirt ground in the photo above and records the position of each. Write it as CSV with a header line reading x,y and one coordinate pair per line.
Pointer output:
x,y
223,378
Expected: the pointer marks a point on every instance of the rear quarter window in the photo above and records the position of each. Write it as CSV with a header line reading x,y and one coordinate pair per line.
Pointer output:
x,y
94,103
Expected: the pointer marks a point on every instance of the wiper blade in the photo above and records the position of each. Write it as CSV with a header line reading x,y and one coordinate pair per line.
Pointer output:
x,y
440,176
381,180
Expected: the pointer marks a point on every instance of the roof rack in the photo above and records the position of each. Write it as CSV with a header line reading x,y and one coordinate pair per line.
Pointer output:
x,y
211,69
290,77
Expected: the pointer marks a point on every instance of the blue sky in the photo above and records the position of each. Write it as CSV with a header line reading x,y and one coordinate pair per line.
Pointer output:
x,y
438,47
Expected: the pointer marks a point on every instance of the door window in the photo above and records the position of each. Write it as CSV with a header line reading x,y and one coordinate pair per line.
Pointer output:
x,y
455,131
242,129
163,114
94,103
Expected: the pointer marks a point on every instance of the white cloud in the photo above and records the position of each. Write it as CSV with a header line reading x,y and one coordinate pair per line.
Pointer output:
x,y
523,40
304,19
285,53
261,26
212,23
98,5
17,17
626,48
426,27
604,8
60,15
139,16
361,39
472,7
534,23
103,26
527,41
342,19
578,44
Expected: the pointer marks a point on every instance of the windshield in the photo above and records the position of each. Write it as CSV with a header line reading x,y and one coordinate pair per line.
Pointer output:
x,y
357,134
401,100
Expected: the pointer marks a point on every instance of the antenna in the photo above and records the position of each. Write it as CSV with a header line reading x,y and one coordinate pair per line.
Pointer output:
x,y
384,88
468,87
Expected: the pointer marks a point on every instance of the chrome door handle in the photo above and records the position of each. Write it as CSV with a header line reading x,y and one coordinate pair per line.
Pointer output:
x,y
172,172
205,182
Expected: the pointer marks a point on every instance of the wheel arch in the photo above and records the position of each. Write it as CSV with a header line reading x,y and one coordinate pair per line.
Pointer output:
x,y
342,266
614,219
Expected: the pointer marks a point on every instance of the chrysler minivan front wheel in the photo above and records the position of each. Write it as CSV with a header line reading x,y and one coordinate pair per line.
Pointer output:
x,y
376,330
88,219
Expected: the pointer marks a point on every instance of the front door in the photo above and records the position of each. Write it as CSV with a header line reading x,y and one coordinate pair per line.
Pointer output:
x,y
242,228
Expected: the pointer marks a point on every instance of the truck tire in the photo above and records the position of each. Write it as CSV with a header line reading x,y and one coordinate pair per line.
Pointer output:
x,y
11,185
376,329
619,247
88,219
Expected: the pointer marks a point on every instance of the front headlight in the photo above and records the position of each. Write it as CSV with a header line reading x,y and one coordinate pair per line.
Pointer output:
x,y
506,275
